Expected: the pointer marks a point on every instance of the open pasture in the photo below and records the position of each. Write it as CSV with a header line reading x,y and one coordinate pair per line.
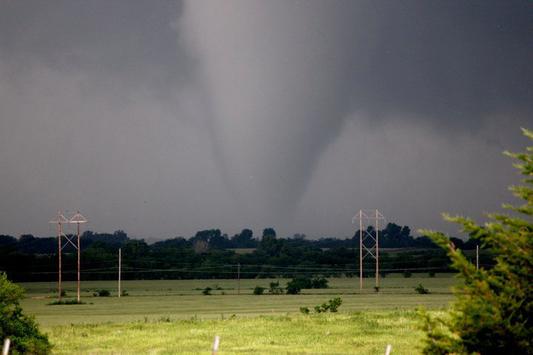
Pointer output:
x,y
342,333
173,316
183,299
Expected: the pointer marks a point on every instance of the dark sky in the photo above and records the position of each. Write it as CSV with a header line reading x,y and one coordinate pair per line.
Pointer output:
x,y
162,118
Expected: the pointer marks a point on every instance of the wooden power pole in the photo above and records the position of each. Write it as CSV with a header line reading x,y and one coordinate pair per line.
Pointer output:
x,y
60,219
119,272
78,219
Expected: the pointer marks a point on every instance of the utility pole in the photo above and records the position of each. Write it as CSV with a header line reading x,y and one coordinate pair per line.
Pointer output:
x,y
377,250
119,271
360,250
78,219
368,216
477,257
59,220
239,278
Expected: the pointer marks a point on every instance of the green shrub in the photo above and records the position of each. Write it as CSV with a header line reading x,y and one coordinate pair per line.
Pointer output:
x,y
421,289
103,293
20,328
319,282
304,310
275,289
431,274
298,283
124,293
258,290
65,302
332,305
407,274
493,310
293,288
207,291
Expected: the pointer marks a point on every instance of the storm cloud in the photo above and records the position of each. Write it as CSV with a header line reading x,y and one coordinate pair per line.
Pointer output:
x,y
164,118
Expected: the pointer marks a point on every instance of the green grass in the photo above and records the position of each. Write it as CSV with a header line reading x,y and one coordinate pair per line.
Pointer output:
x,y
174,317
183,299
345,333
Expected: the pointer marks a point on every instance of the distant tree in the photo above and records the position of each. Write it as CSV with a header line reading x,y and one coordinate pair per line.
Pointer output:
x,y
7,240
200,246
120,235
245,239
269,244
269,232
26,238
218,241
209,238
299,236
458,243
135,249
494,307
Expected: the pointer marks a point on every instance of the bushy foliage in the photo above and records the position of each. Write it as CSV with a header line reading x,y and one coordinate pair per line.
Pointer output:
x,y
332,305
298,283
207,291
65,302
421,290
319,282
275,288
258,290
102,293
293,288
20,328
494,307
304,310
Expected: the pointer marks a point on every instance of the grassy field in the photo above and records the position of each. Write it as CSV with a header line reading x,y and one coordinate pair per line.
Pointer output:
x,y
343,333
174,317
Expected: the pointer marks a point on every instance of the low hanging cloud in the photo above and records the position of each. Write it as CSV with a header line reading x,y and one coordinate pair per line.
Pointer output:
x,y
163,118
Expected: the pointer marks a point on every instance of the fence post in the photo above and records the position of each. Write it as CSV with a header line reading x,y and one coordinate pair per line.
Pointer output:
x,y
216,343
5,349
388,350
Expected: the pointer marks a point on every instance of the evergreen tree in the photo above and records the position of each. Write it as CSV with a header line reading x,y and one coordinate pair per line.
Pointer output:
x,y
20,328
493,311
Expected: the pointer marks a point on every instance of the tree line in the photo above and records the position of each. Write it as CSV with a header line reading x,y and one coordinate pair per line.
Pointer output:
x,y
212,254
